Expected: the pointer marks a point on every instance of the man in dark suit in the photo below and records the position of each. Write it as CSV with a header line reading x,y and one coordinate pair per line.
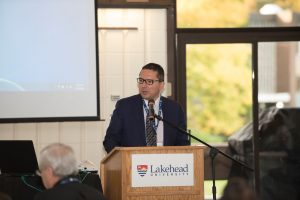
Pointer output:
x,y
127,127
58,167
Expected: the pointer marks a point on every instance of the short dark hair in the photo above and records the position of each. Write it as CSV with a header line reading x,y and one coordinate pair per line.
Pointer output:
x,y
157,68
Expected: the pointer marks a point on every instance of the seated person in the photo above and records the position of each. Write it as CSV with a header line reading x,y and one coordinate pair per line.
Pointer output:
x,y
58,168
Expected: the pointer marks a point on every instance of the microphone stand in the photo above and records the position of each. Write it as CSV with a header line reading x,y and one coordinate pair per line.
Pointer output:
x,y
212,153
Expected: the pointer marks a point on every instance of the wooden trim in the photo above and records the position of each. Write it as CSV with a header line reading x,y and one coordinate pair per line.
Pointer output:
x,y
118,28
171,51
135,3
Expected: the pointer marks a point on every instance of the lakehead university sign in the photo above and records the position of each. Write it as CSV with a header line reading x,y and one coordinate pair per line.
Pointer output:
x,y
153,170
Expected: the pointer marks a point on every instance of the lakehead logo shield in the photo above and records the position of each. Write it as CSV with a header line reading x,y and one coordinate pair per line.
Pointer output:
x,y
142,170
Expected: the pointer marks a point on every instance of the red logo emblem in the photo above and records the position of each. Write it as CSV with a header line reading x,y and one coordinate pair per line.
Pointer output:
x,y
142,170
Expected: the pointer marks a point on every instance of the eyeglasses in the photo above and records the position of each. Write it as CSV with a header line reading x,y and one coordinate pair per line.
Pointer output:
x,y
147,81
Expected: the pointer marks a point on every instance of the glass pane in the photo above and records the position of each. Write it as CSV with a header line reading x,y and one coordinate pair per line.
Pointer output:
x,y
242,13
279,127
219,89
219,102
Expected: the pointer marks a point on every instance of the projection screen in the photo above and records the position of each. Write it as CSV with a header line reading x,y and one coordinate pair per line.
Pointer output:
x,y
48,60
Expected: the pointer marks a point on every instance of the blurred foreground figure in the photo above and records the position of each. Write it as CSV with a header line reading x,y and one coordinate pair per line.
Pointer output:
x,y
4,196
58,168
238,188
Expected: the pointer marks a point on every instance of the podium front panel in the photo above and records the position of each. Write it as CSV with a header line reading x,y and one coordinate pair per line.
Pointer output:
x,y
192,189
196,191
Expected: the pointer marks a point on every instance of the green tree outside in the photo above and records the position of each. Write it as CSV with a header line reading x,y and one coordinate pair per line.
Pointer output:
x,y
219,91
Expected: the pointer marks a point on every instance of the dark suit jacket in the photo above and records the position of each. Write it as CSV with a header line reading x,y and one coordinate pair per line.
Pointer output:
x,y
127,125
70,191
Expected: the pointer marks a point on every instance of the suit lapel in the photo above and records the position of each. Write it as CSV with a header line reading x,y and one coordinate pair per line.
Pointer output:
x,y
140,121
166,113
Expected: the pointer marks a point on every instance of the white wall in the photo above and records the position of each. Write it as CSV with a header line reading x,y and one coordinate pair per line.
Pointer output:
x,y
122,53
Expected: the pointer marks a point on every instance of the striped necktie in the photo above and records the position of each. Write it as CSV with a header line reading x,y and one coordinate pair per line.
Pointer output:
x,y
151,138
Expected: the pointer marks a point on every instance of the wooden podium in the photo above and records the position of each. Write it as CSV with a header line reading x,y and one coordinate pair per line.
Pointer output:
x,y
118,172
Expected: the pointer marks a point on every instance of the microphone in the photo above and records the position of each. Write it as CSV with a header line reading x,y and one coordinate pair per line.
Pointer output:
x,y
151,109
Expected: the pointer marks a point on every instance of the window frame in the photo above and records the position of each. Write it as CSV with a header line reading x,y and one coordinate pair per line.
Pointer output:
x,y
253,36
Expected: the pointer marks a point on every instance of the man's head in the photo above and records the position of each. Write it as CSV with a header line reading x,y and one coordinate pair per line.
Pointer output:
x,y
56,161
151,81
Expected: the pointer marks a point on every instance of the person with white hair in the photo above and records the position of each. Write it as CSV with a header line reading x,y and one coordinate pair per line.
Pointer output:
x,y
58,169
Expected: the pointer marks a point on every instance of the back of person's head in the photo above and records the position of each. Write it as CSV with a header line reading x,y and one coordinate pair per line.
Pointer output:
x,y
157,68
60,158
238,188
